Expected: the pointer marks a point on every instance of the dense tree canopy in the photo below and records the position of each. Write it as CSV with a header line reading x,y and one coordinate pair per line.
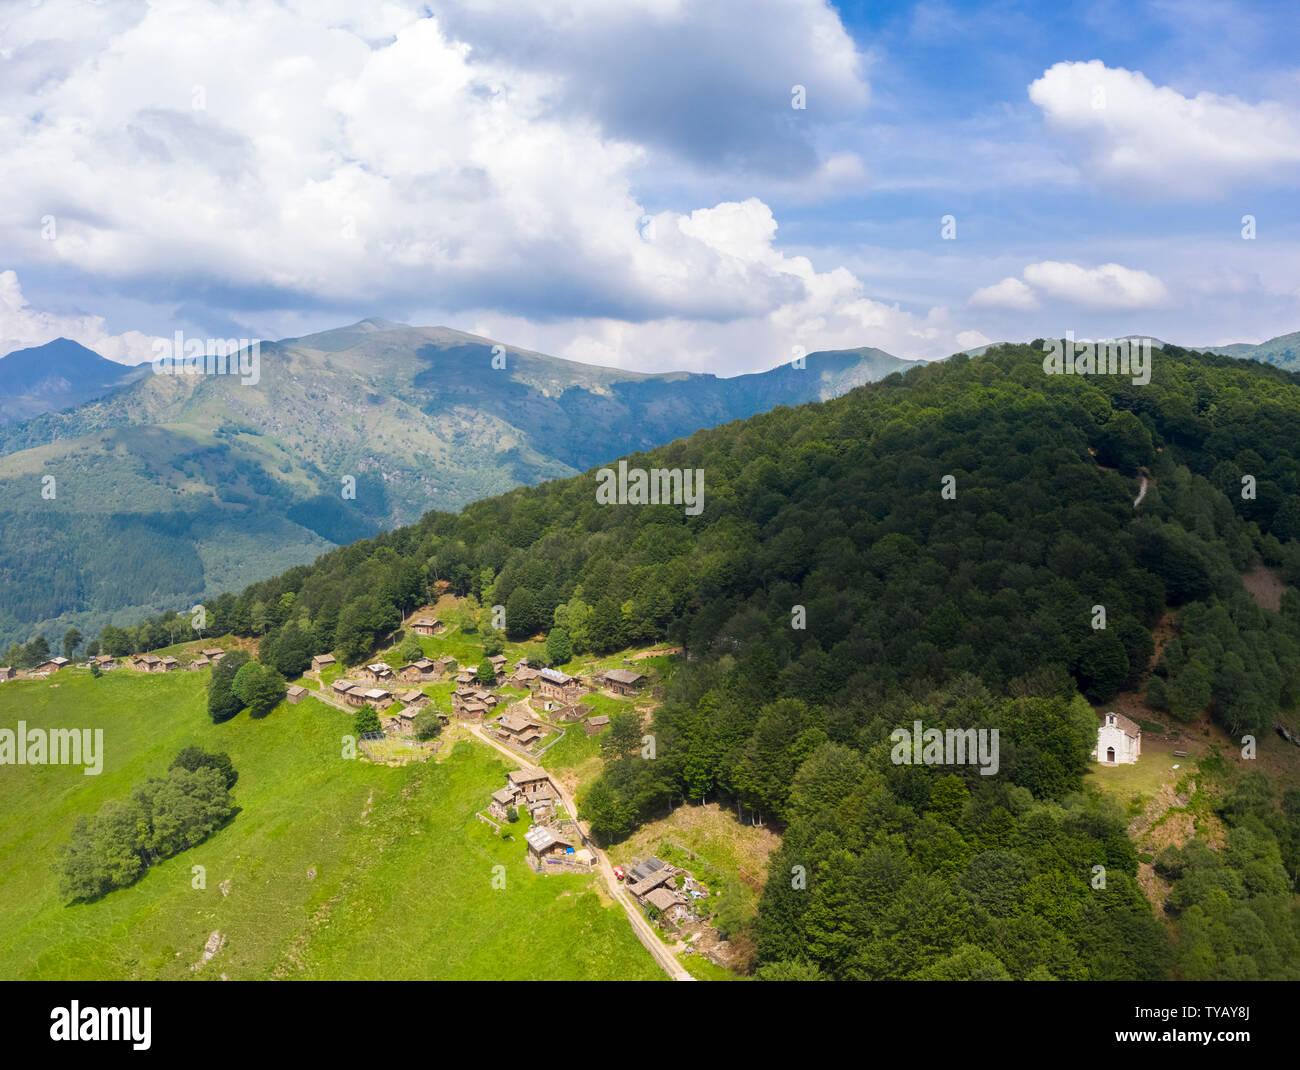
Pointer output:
x,y
935,546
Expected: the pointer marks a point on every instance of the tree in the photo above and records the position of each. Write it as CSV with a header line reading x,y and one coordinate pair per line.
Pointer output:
x,y
193,758
366,721
427,724
1102,666
486,674
263,690
223,703
558,647
521,614
71,640
36,652
410,650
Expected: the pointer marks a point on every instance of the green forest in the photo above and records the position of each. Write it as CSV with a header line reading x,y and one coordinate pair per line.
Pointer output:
x,y
934,546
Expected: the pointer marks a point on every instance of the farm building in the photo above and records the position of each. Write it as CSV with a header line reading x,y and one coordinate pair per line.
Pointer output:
x,y
525,675
502,800
296,694
213,653
472,704
645,877
1119,740
422,670
520,729
169,664
401,723
106,662
322,661
595,725
545,844
413,699
671,906
498,663
445,664
623,682
201,662
380,698
560,686
380,672
424,624
53,665
534,790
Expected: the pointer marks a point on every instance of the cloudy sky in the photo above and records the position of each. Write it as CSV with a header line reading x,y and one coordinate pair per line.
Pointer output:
x,y
632,184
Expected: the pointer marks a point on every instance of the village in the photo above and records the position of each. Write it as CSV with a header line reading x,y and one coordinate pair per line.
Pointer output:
x,y
534,713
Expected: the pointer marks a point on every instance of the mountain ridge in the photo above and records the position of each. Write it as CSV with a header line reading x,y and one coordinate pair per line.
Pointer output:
x,y
347,432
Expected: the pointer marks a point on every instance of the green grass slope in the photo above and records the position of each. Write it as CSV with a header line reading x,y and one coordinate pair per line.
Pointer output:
x,y
403,884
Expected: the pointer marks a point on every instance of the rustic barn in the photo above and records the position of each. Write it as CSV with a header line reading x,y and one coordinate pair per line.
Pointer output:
x,y
623,681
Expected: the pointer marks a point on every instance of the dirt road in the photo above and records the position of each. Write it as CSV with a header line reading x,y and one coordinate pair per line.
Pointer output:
x,y
644,930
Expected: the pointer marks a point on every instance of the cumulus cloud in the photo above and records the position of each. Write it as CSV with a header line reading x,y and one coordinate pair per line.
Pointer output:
x,y
385,158
22,326
1124,129
1108,286
710,82
1009,293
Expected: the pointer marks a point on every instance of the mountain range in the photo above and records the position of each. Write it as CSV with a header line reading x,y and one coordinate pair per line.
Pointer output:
x,y
58,375
164,489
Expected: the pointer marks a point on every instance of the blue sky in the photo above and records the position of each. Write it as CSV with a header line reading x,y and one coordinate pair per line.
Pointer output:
x,y
629,184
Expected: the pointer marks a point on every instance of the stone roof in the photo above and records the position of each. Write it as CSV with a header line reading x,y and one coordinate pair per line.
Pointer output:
x,y
663,899
1124,724
624,676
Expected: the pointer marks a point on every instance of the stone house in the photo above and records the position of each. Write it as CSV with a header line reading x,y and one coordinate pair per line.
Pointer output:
x,y
424,624
559,686
623,682
378,673
296,694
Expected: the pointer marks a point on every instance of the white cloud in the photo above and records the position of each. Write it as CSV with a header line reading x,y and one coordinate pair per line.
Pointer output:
x,y
22,326
1009,293
1109,286
388,159
1155,141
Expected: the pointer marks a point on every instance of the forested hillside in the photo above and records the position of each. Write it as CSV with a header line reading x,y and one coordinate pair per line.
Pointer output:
x,y
975,608
179,487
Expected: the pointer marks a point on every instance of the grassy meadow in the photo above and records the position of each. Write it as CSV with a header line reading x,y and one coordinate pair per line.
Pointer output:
x,y
335,868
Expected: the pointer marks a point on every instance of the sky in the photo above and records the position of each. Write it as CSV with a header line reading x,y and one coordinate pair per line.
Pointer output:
x,y
652,184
